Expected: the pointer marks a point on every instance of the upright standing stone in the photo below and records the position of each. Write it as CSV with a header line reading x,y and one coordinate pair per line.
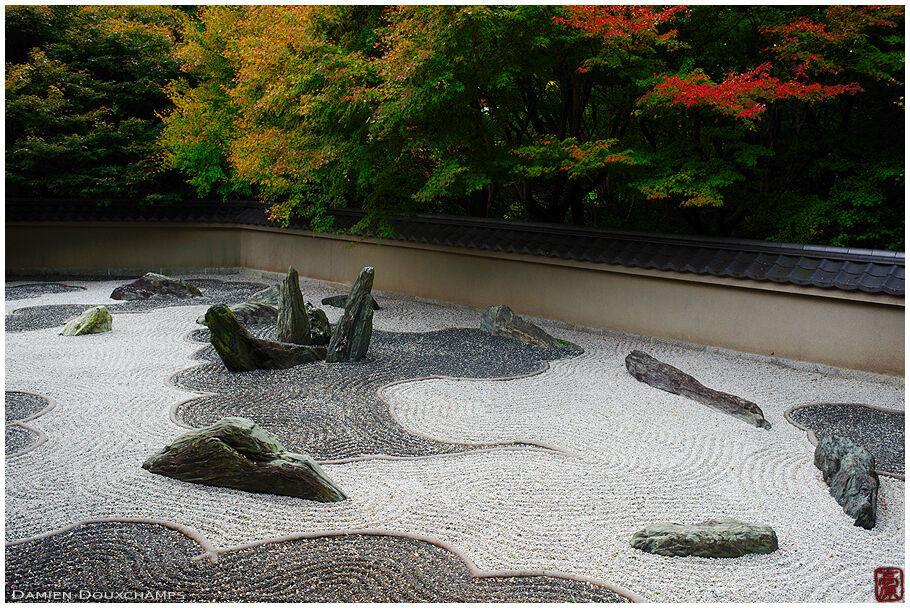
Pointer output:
x,y
293,322
649,370
353,331
95,320
849,469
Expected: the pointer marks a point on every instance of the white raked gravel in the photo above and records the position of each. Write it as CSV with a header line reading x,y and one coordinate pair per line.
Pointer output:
x,y
641,456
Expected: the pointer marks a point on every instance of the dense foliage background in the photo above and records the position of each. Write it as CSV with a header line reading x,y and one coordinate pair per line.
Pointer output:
x,y
770,122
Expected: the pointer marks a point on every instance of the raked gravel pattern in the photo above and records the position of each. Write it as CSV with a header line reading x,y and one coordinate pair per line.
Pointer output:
x,y
21,408
331,411
882,433
641,455
19,291
100,558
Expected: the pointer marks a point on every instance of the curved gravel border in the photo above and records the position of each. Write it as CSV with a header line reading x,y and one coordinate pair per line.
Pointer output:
x,y
884,441
32,290
335,412
214,291
641,458
371,565
15,420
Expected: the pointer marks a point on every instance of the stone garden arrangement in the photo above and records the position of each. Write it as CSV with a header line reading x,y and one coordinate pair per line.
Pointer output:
x,y
235,438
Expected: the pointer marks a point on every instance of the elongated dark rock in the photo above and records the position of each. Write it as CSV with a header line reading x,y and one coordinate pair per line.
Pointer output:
x,y
237,453
293,322
712,538
153,285
849,470
250,313
500,320
320,329
649,370
341,300
351,338
241,351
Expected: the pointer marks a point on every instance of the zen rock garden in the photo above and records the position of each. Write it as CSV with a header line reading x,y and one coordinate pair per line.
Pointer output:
x,y
507,434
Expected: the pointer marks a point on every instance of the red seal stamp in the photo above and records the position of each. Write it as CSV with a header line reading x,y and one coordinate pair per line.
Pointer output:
x,y
889,584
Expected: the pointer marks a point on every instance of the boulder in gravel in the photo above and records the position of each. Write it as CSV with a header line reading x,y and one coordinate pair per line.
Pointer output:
x,y
237,453
320,329
649,370
250,313
269,296
849,470
95,320
157,286
340,301
501,321
293,322
351,338
712,538
241,351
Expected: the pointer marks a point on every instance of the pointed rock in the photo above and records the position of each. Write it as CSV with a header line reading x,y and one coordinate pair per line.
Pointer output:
x,y
320,329
341,300
501,321
237,453
351,338
849,470
293,323
241,351
95,320
157,286
712,538
250,313
649,370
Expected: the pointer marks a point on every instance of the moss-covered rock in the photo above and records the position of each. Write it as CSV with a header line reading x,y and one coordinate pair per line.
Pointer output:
x,y
95,320
712,538
237,453
250,313
153,285
849,470
293,322
320,329
241,351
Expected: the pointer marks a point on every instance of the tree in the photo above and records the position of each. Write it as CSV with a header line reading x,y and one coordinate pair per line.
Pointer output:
x,y
82,95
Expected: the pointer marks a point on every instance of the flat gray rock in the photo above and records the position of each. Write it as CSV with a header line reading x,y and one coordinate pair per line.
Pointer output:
x,y
241,351
269,296
237,453
649,370
849,470
501,321
341,300
712,538
95,320
154,285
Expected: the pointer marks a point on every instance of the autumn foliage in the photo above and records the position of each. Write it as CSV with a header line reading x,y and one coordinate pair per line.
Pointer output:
x,y
781,122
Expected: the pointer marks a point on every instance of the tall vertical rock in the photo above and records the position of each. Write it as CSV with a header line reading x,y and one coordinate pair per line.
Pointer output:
x,y
293,322
352,333
849,470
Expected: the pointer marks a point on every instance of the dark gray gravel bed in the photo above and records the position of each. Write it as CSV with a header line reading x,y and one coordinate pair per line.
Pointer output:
x,y
214,291
331,411
882,433
20,406
149,560
18,438
33,290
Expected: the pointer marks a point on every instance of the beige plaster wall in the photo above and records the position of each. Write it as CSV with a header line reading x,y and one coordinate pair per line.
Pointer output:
x,y
852,330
